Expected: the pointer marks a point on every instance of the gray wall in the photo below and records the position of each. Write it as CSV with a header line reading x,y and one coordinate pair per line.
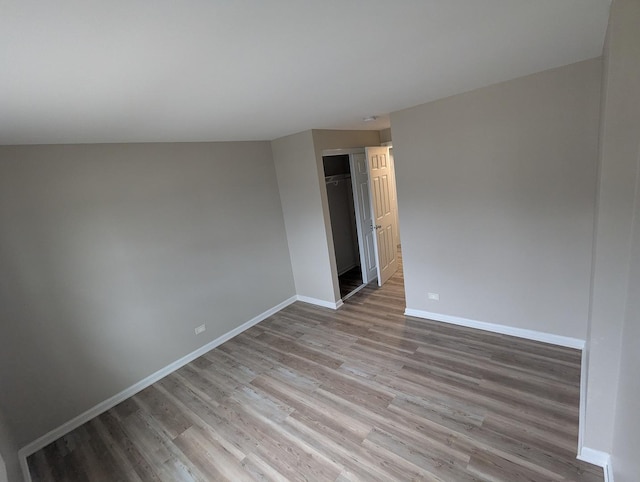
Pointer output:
x,y
111,255
9,464
626,435
343,225
496,193
300,194
613,389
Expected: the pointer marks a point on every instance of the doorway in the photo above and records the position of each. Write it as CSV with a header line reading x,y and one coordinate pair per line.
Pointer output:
x,y
362,206
344,229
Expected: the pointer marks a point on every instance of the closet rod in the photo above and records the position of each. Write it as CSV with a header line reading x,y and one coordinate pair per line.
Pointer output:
x,y
337,178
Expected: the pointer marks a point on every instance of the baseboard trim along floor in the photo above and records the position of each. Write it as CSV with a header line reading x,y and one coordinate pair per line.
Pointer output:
x,y
501,329
599,458
334,305
111,402
585,454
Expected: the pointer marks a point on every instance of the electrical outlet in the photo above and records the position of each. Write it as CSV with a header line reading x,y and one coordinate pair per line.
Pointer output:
x,y
433,296
200,329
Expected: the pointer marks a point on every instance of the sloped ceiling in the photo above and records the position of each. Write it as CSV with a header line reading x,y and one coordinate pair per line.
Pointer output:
x,y
201,70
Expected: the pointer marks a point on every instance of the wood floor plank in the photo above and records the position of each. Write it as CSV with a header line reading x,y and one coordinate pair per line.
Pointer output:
x,y
211,458
442,467
361,393
115,432
327,414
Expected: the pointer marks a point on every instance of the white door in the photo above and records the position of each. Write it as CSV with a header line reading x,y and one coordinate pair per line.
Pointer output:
x,y
394,198
364,219
384,239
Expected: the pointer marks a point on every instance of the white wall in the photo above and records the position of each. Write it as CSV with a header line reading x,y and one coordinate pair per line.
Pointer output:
x,y
496,193
612,423
111,255
298,161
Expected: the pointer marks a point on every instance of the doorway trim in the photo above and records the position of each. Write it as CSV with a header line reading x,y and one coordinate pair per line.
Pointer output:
x,y
359,227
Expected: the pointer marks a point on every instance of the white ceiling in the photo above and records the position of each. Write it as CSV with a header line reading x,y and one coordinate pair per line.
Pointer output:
x,y
169,70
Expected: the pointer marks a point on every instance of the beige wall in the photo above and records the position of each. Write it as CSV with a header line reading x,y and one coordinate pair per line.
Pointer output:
x,y
111,255
298,161
496,193
385,135
612,422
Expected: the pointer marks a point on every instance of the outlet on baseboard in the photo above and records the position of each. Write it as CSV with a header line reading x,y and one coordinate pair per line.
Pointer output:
x,y
200,329
433,296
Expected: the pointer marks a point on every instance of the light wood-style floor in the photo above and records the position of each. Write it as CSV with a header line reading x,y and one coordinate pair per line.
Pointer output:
x,y
362,393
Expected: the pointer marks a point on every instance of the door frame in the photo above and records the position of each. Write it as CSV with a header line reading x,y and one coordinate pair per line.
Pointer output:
x,y
360,229
392,160
383,211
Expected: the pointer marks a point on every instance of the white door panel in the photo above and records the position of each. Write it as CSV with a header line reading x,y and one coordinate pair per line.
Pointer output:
x,y
382,213
360,180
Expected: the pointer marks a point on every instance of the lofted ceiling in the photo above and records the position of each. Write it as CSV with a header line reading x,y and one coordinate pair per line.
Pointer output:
x,y
76,71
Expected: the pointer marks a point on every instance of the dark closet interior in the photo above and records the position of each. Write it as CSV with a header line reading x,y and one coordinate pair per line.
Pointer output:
x,y
337,173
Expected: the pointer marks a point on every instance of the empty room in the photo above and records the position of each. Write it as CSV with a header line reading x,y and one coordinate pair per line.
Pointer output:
x,y
341,241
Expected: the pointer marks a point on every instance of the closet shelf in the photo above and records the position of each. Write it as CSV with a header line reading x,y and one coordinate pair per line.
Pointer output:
x,y
337,178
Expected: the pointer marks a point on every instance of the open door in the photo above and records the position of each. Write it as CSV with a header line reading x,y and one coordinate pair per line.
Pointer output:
x,y
364,217
383,221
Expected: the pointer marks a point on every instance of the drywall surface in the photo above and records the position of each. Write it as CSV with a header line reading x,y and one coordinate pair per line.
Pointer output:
x,y
496,192
626,435
385,135
111,255
615,308
342,139
299,183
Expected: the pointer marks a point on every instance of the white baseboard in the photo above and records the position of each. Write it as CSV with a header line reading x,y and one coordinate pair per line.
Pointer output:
x,y
595,457
599,458
111,402
582,413
586,454
502,329
334,305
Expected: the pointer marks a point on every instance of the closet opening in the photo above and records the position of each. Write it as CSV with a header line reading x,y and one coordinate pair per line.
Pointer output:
x,y
342,211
